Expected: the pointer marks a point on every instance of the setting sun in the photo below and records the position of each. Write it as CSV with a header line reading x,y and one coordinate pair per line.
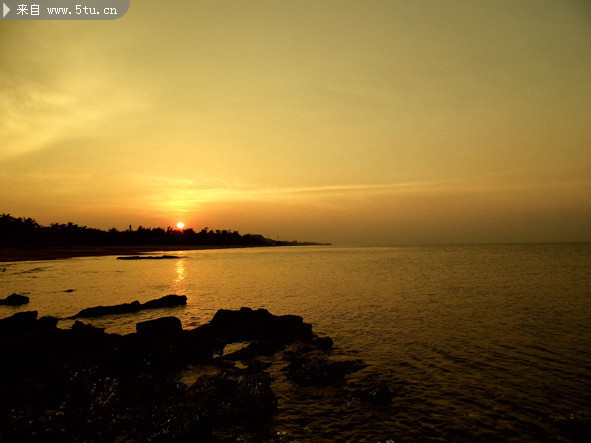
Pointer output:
x,y
180,225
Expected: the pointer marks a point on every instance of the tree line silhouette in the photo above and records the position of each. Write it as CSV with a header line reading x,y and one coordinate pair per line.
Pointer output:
x,y
27,233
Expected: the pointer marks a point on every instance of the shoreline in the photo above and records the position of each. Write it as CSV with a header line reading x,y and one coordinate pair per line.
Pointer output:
x,y
57,253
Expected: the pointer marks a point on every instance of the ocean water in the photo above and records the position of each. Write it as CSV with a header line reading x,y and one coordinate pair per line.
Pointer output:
x,y
476,342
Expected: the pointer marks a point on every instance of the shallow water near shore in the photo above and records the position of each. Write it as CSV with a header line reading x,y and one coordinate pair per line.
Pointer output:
x,y
475,342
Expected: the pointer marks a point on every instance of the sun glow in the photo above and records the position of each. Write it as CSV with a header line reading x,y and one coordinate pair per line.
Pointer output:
x,y
180,225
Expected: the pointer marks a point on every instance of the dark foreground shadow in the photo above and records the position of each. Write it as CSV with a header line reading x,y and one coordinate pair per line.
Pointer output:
x,y
83,384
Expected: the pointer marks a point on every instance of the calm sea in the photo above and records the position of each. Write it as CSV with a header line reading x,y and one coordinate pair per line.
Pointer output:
x,y
476,342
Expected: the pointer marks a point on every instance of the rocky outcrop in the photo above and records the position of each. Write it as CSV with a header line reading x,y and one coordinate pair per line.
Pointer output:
x,y
255,349
323,343
126,308
168,301
83,329
14,299
247,324
83,384
25,323
99,311
161,327
19,323
225,397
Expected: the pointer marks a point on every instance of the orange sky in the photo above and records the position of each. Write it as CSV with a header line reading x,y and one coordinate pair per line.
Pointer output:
x,y
352,122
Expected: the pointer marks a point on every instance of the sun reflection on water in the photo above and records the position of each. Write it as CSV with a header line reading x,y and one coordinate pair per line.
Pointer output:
x,y
179,284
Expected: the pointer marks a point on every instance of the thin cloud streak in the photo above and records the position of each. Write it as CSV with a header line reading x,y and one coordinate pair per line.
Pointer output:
x,y
185,196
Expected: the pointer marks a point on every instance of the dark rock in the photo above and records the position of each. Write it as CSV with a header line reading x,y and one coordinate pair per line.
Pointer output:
x,y
257,365
170,422
255,349
14,299
86,329
99,311
127,308
19,323
321,371
165,302
69,290
292,355
23,323
161,327
247,324
256,397
47,323
323,343
223,398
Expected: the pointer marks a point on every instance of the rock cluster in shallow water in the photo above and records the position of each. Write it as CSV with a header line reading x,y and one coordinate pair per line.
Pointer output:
x,y
84,384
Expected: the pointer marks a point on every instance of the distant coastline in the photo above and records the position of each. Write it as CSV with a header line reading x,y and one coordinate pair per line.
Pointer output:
x,y
57,253
23,239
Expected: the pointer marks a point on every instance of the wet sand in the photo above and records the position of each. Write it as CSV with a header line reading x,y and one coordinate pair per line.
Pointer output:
x,y
55,253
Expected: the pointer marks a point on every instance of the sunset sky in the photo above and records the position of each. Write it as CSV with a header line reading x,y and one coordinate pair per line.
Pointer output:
x,y
352,122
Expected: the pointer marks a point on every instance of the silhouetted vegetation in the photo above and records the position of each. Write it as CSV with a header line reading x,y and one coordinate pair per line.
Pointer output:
x,y
27,233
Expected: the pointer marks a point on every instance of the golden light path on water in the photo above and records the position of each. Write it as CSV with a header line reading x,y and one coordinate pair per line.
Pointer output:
x,y
178,286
